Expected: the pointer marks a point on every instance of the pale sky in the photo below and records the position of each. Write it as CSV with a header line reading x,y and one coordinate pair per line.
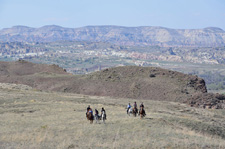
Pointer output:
x,y
177,14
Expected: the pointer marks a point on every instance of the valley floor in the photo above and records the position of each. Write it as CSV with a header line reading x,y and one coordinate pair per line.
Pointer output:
x,y
35,119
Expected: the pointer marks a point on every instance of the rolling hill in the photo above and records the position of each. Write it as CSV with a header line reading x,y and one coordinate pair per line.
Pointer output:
x,y
134,82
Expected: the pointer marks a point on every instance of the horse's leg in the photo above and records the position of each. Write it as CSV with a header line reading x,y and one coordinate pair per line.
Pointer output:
x,y
96,119
92,119
143,115
103,118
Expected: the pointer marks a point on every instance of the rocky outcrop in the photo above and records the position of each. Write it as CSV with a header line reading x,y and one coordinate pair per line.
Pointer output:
x,y
197,83
207,37
207,101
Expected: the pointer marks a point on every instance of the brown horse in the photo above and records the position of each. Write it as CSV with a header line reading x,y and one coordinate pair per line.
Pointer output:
x,y
135,111
142,112
90,116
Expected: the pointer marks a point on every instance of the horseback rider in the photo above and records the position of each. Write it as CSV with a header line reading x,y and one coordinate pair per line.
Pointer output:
x,y
89,109
135,105
142,106
104,112
128,107
96,112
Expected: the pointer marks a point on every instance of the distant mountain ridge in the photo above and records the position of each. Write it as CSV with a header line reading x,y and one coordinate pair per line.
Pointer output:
x,y
144,35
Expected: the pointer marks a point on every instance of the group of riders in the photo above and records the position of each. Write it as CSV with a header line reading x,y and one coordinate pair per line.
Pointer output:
x,y
89,110
135,108
129,108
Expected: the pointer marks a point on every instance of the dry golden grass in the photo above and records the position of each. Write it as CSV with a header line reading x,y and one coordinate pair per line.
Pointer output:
x,y
31,119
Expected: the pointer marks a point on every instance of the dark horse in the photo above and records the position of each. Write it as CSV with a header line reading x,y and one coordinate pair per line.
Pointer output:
x,y
90,116
135,111
142,112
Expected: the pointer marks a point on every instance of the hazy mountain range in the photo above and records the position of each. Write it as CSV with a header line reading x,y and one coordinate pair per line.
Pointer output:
x,y
146,35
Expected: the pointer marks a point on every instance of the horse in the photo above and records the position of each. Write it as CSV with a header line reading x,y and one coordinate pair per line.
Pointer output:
x,y
90,116
103,116
142,112
130,111
135,111
97,118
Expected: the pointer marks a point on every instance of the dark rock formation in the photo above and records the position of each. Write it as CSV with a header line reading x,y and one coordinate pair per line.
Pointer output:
x,y
207,100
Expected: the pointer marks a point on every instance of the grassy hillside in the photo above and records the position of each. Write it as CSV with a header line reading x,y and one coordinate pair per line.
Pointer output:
x,y
125,82
33,119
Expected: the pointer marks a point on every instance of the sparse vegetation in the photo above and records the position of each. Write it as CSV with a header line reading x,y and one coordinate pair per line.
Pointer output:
x,y
58,121
152,76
